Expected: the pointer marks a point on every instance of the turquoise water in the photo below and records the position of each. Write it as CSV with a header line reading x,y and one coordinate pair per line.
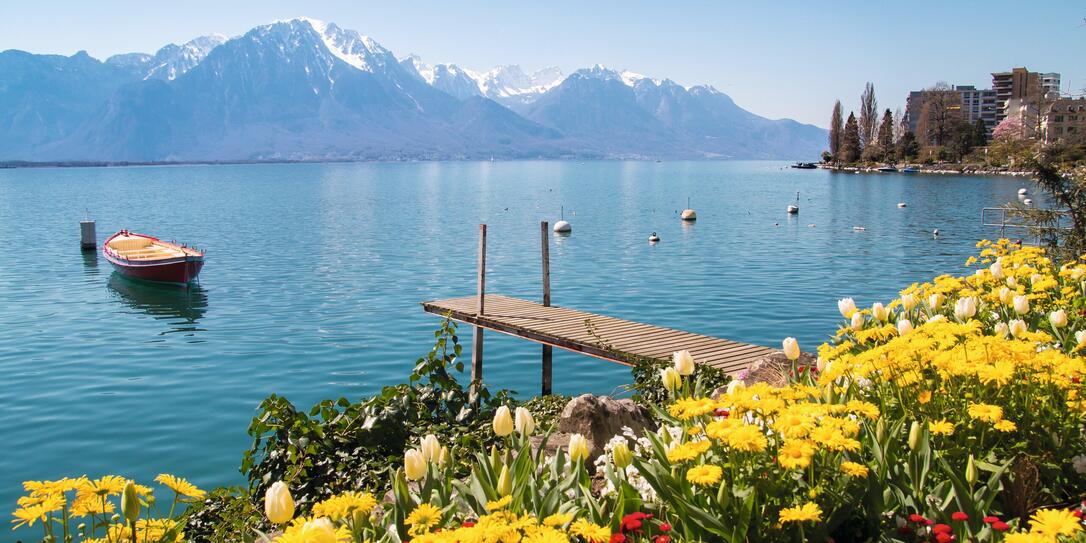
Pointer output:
x,y
314,273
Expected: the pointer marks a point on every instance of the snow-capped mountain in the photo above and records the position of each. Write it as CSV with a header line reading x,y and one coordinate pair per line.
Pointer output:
x,y
170,61
302,89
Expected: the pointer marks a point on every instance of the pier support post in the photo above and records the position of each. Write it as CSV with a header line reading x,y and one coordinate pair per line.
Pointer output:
x,y
547,349
477,335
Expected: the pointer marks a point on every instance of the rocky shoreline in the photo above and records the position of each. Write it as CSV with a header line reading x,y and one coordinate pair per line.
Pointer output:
x,y
942,169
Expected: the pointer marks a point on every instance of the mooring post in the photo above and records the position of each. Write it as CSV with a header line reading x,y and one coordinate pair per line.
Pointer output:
x,y
547,349
477,335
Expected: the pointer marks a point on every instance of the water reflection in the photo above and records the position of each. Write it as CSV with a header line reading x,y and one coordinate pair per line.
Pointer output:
x,y
182,307
90,262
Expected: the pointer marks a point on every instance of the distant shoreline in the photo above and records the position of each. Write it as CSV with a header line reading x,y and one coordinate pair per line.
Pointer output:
x,y
937,169
26,164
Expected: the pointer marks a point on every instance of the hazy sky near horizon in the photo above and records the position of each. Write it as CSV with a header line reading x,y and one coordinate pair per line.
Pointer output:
x,y
778,59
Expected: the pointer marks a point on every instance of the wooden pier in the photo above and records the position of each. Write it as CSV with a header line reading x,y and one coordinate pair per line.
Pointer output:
x,y
607,338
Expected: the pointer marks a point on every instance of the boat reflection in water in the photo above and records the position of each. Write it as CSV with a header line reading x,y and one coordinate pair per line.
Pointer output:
x,y
90,262
181,307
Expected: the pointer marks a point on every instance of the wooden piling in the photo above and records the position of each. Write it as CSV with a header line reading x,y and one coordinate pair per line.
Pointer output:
x,y
548,351
477,335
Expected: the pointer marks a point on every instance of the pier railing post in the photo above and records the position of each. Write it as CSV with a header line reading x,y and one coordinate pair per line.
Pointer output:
x,y
477,335
547,349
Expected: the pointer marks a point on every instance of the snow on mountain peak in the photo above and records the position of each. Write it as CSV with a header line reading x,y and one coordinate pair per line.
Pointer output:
x,y
359,51
510,80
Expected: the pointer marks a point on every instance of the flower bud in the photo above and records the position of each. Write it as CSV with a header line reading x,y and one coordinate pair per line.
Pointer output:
x,y
1058,318
821,364
791,348
430,448
621,454
524,422
857,321
965,308
414,464
1080,337
1001,329
847,306
130,502
503,422
1021,305
908,301
935,300
1017,327
671,378
443,456
278,504
1012,282
904,326
1033,279
1006,295
318,530
971,473
879,311
914,435
578,447
997,268
684,362
505,482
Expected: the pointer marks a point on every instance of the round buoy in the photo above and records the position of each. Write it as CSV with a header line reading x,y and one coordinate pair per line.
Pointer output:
x,y
1023,191
1028,201
562,227
901,204
653,238
689,215
793,209
935,233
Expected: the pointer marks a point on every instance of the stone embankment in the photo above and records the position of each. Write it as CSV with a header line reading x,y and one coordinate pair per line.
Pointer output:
x,y
945,169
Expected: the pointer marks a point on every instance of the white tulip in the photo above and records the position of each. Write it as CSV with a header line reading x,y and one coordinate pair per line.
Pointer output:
x,y
525,424
1017,327
430,448
1033,279
671,379
997,268
847,306
935,300
1080,337
318,530
733,385
1058,318
1077,272
1012,282
578,447
414,464
1021,304
965,308
936,318
904,327
791,348
1001,329
684,362
857,321
879,311
1006,295
503,422
821,364
908,301
278,504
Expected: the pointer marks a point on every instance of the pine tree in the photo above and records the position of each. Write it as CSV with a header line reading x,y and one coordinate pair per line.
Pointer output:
x,y
885,138
907,147
850,141
869,115
835,129
980,133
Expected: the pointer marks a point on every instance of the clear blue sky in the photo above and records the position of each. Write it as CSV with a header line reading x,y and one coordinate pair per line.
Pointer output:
x,y
778,59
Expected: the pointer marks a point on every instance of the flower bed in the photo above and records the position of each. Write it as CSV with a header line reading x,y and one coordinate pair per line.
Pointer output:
x,y
953,413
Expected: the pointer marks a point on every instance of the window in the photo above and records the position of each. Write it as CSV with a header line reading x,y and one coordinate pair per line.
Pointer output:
x,y
1058,119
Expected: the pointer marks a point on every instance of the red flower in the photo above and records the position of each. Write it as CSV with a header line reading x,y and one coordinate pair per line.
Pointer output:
x,y
1000,526
665,527
632,522
916,518
721,413
942,529
468,524
944,538
905,530
1077,513
618,538
958,515
990,519
662,539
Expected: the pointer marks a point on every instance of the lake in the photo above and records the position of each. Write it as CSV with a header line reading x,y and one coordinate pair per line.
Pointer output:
x,y
315,271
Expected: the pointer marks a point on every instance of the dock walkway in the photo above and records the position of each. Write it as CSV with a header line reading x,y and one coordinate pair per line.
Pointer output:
x,y
604,337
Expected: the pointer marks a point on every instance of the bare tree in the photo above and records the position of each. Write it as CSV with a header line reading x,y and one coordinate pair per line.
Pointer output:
x,y
836,126
941,111
900,125
869,115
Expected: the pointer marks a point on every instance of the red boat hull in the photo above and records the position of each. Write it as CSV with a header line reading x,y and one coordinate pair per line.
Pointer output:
x,y
179,271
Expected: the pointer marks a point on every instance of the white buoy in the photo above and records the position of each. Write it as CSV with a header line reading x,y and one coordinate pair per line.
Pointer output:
x,y
1023,191
653,238
88,238
688,214
859,228
935,233
901,204
563,226
794,208
1028,201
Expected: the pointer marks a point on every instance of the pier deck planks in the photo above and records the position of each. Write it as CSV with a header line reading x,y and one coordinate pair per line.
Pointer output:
x,y
566,329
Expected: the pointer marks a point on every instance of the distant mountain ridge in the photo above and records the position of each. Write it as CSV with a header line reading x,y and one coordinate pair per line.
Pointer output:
x,y
302,89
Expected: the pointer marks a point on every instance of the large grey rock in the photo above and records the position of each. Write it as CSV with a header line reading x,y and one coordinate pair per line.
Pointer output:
x,y
599,418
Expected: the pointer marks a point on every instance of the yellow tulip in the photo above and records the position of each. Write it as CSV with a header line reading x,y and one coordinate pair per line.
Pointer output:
x,y
578,447
525,424
505,482
621,454
430,448
879,311
1017,327
278,504
130,502
414,464
503,422
671,378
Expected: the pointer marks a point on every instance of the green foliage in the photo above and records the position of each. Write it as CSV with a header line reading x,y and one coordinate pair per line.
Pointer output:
x,y
226,514
341,445
546,410
649,391
907,147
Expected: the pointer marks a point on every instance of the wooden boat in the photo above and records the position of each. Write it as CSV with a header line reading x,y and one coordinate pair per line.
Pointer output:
x,y
148,258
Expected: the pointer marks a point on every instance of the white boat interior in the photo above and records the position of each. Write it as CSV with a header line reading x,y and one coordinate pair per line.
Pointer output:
x,y
141,248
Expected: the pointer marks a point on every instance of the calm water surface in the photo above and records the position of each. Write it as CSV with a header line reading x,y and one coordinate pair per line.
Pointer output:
x,y
314,275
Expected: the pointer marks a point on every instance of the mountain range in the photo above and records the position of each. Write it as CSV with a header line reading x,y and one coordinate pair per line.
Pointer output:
x,y
303,89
